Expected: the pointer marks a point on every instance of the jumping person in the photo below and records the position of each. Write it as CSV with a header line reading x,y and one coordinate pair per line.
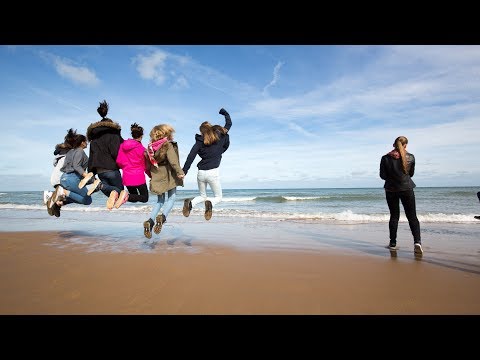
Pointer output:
x,y
132,159
210,144
166,174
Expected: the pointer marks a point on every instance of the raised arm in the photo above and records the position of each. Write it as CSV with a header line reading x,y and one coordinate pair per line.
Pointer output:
x,y
228,120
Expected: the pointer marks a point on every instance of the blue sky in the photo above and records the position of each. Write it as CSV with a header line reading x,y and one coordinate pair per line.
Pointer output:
x,y
303,116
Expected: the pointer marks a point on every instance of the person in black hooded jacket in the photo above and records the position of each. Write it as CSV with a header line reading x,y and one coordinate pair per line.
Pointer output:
x,y
209,145
397,168
105,139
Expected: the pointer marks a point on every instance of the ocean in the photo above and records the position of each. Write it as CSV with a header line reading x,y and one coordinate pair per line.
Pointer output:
x,y
362,205
351,221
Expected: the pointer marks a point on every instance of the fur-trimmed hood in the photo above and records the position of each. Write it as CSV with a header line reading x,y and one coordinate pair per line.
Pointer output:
x,y
61,149
102,127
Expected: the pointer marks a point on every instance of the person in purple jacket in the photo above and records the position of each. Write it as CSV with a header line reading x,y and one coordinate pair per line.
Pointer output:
x,y
209,145
133,161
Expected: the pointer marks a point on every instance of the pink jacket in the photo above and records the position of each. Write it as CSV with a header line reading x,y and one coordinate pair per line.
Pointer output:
x,y
133,162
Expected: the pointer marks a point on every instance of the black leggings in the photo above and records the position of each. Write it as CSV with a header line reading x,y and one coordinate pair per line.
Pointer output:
x,y
407,198
138,193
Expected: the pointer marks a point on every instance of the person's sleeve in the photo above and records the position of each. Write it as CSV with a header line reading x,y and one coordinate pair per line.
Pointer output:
x,y
77,162
191,157
121,160
115,143
411,171
173,160
383,172
228,121
226,144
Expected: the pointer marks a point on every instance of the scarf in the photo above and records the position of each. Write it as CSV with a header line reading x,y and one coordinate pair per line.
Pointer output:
x,y
154,146
394,153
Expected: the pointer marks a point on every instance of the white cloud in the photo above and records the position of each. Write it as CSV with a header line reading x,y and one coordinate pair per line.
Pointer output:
x,y
78,74
152,67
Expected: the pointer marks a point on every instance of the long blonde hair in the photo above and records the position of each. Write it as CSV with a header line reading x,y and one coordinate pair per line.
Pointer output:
x,y
159,132
209,132
399,145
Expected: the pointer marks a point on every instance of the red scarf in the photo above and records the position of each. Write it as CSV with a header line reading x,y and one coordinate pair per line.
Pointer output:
x,y
394,153
154,146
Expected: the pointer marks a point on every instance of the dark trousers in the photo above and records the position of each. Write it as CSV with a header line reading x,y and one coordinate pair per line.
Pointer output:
x,y
478,195
138,193
408,201
111,180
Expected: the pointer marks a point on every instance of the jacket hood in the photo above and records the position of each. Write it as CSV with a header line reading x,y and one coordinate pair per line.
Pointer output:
x,y
61,149
199,137
131,144
102,127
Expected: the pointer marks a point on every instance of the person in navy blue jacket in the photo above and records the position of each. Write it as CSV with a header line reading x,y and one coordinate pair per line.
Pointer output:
x,y
210,144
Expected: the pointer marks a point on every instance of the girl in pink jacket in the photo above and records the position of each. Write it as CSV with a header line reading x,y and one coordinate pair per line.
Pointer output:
x,y
133,161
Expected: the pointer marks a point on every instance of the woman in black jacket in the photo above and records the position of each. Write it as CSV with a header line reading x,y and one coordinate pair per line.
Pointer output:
x,y
209,145
397,168
105,139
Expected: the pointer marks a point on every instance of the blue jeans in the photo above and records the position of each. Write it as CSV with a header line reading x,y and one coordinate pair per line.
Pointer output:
x,y
164,202
208,177
111,180
70,182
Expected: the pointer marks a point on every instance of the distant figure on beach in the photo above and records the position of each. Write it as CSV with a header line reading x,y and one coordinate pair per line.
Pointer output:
x,y
73,171
166,175
396,168
478,195
210,144
133,161
105,140
59,158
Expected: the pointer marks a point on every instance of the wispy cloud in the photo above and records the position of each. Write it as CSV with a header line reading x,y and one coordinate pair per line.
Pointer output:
x,y
276,75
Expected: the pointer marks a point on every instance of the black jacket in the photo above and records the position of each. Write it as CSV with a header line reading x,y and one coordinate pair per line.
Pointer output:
x,y
392,172
212,154
105,140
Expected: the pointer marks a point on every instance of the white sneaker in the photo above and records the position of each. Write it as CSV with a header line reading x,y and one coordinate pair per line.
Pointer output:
x,y
417,249
112,199
94,187
85,180
122,199
58,194
46,196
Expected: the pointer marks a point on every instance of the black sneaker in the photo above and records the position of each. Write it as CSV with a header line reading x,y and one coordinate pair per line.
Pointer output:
x,y
392,246
96,186
56,210
187,207
208,210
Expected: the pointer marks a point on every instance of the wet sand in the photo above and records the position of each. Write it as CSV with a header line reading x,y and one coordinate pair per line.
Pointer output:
x,y
45,273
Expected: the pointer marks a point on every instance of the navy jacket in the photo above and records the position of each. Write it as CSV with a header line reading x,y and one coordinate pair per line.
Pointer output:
x,y
212,154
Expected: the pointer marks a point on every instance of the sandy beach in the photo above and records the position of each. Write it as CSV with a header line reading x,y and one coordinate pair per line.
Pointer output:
x,y
58,272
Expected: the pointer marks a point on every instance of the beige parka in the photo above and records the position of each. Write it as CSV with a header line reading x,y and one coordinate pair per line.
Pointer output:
x,y
165,176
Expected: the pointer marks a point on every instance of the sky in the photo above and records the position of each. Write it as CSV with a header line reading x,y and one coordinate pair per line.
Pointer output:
x,y
303,116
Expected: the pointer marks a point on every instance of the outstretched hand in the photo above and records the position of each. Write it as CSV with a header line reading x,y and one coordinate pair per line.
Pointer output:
x,y
223,111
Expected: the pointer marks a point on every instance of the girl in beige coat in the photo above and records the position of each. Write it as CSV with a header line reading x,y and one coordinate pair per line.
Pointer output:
x,y
167,174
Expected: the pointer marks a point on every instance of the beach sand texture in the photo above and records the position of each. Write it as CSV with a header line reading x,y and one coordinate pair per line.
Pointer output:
x,y
51,272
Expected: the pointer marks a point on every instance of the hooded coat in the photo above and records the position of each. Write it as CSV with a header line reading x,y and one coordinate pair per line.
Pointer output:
x,y
133,162
165,176
105,140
